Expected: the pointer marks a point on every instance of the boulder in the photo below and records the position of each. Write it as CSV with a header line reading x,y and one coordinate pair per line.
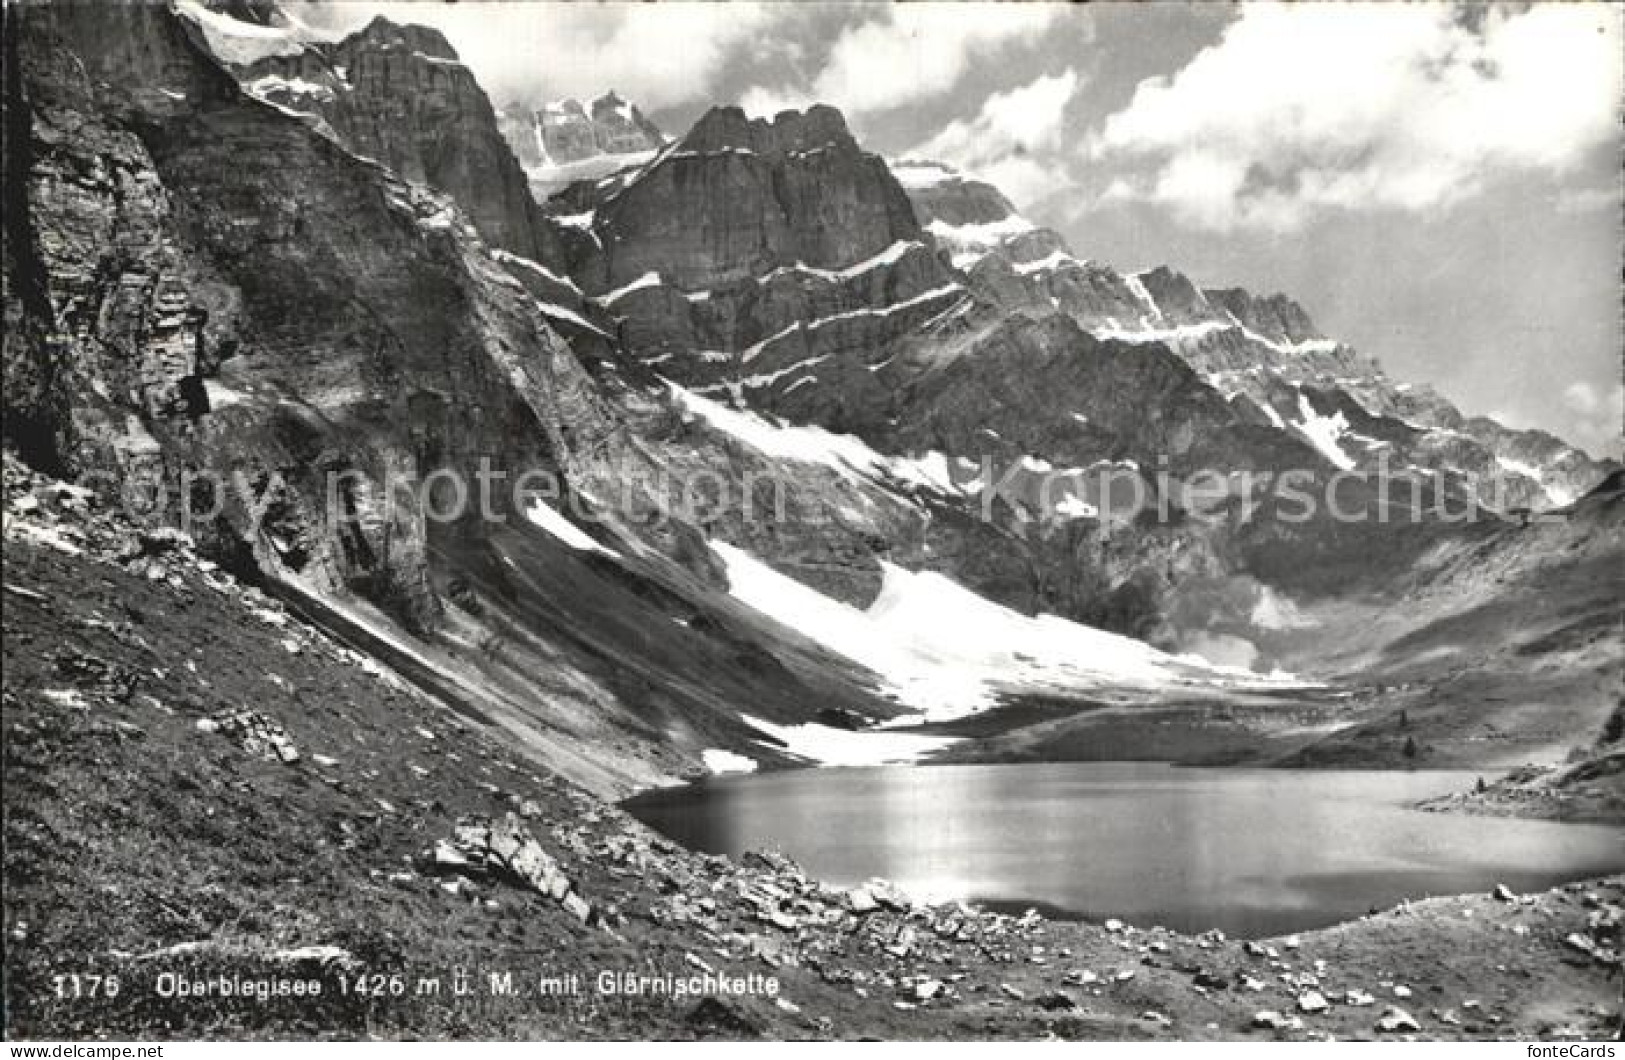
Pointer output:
x,y
781,920
902,943
1313,1001
861,901
505,849
926,989
577,907
1397,1021
1269,1019
256,733
890,896
1055,1001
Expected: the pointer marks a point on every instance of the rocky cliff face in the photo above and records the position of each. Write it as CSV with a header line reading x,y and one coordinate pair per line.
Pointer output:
x,y
749,254
400,96
241,295
565,140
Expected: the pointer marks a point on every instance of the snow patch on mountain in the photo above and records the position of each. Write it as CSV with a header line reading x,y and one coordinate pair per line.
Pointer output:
x,y
648,279
547,178
968,243
814,445
719,761
240,43
1055,259
547,518
829,746
536,267
890,256
1137,288
1324,432
946,651
914,175
887,310
272,84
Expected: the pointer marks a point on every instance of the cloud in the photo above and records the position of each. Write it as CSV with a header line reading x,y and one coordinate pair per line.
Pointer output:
x,y
657,55
1598,416
1299,108
1015,140
913,52
1582,398
761,102
1585,200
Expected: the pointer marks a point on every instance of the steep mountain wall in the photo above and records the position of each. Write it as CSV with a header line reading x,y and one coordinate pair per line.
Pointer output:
x,y
399,95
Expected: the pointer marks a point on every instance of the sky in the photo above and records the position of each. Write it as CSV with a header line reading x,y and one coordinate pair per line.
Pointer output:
x,y
1438,184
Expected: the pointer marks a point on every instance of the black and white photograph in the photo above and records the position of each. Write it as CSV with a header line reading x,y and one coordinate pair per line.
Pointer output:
x,y
557,521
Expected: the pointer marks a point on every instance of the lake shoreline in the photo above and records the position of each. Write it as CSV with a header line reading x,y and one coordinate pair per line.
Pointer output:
x,y
1191,848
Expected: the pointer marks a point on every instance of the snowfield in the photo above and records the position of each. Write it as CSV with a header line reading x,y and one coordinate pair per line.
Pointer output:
x,y
719,761
241,42
829,746
814,445
1324,432
554,522
947,652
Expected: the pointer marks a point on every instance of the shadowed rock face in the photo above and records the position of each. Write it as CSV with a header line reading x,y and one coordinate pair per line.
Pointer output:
x,y
235,293
399,95
1276,317
750,253
737,197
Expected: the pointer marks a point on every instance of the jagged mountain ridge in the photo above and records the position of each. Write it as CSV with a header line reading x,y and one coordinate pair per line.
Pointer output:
x,y
397,94
1264,352
563,141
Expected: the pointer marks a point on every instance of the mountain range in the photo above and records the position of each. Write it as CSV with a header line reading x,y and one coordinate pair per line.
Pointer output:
x,y
395,482
292,258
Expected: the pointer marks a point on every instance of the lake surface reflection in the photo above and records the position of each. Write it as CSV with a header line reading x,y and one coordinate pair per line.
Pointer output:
x,y
1252,852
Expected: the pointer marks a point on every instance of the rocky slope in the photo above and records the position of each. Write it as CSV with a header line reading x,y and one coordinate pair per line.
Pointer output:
x,y
566,140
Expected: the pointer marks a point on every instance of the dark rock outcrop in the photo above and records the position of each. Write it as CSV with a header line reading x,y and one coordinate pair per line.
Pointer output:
x,y
399,95
737,197
233,293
